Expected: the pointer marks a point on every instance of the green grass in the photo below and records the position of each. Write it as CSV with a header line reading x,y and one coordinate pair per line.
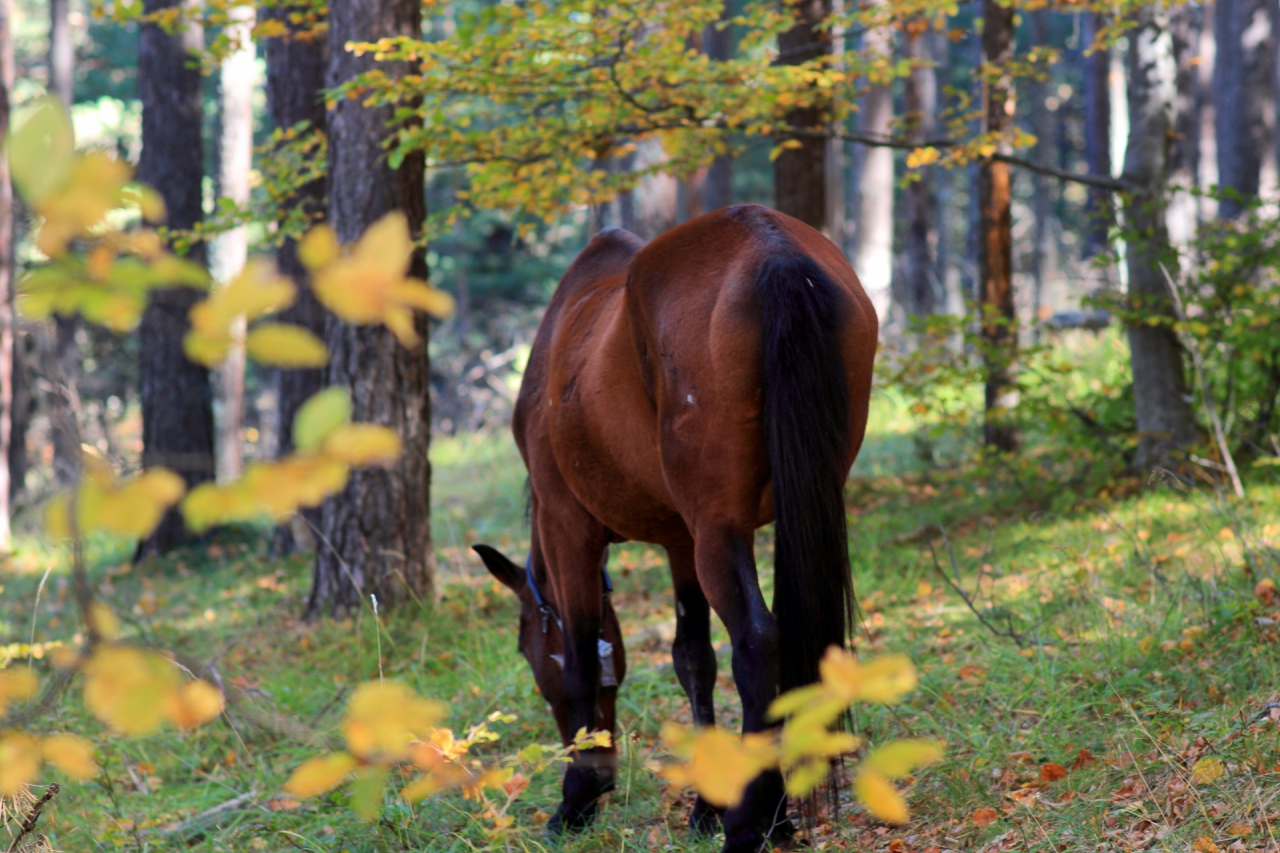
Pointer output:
x,y
1126,626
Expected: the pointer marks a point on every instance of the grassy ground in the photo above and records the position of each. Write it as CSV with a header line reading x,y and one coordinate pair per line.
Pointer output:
x,y
1116,635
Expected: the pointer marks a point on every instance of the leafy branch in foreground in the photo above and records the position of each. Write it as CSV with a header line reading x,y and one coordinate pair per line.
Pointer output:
x,y
720,765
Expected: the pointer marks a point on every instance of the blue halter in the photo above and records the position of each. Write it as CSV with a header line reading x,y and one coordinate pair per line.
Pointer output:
x,y
547,611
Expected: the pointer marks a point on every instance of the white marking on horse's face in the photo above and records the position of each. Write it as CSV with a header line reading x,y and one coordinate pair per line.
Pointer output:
x,y
689,398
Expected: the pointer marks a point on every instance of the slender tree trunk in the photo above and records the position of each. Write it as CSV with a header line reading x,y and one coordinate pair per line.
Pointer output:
x,y
1244,68
295,85
995,245
1181,215
1161,403
1041,190
1207,167
231,249
63,400
800,173
920,98
177,401
1096,91
718,186
873,259
376,534
6,269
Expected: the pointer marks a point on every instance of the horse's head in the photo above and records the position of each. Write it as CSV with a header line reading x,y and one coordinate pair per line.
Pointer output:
x,y
542,643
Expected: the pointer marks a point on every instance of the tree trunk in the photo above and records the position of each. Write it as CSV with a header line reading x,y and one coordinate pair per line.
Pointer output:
x,y
231,249
177,401
800,173
6,269
920,98
873,258
1244,66
376,534
717,187
63,400
1207,166
1042,191
995,242
1181,214
295,84
1161,403
1096,91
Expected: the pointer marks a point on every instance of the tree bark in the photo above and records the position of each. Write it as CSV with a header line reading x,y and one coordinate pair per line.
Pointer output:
x,y
177,401
6,269
920,98
63,400
376,534
231,249
1184,146
995,243
717,187
1161,402
295,85
1042,191
873,258
1096,91
1244,67
800,173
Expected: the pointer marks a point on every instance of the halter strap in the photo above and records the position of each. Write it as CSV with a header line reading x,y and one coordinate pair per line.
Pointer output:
x,y
546,610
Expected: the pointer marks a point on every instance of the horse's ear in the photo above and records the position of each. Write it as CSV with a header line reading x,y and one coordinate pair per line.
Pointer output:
x,y
500,567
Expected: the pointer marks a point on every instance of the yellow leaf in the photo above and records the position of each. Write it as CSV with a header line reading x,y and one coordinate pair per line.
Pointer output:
x,y
70,754
258,290
320,415
363,444
317,775
423,787
1207,770
876,792
194,704
16,685
127,688
104,622
384,718
883,680
898,758
721,764
284,345
131,507
418,294
19,762
319,247
807,776
922,157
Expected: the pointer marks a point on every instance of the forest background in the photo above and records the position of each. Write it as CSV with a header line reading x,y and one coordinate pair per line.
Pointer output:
x,y
1065,216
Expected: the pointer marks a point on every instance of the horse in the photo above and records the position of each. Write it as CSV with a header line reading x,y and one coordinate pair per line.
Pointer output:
x,y
686,392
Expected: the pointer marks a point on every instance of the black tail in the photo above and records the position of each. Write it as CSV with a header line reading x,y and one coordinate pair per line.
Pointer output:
x,y
806,429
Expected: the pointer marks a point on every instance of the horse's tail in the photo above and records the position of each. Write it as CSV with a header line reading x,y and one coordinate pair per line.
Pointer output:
x,y
806,432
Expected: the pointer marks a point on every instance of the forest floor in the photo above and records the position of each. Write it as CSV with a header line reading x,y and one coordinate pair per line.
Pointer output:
x,y
1121,690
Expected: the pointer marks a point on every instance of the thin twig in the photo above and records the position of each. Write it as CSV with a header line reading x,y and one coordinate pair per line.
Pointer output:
x,y
1205,395
29,824
1008,633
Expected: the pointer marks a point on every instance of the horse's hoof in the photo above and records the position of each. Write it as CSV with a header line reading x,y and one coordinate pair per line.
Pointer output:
x,y
568,819
705,819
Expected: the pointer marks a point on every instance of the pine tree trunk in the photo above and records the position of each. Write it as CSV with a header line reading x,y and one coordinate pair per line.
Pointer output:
x,y
231,249
1243,74
920,98
295,82
376,534
717,188
1096,91
1161,405
1042,192
6,269
1184,148
177,401
873,258
63,399
800,173
995,242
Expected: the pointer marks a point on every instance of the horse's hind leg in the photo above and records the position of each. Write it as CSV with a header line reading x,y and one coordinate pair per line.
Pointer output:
x,y
695,660
727,573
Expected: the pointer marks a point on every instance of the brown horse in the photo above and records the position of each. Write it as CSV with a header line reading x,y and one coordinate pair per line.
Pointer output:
x,y
685,393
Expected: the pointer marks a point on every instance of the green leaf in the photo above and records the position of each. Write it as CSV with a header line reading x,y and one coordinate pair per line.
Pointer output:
x,y
319,416
42,149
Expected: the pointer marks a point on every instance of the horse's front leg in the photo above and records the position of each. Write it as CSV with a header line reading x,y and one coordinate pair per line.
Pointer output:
x,y
695,661
575,568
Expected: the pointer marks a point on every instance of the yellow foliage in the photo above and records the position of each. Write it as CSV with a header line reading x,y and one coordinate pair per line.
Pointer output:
x,y
16,685
127,688
922,157
1207,770
368,285
272,490
319,416
103,622
384,718
131,507
287,346
258,290
720,764
898,758
877,793
19,762
193,704
363,444
70,754
322,773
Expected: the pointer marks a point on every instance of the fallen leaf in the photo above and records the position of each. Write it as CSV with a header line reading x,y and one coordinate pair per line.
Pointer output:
x,y
1207,770
984,817
1052,772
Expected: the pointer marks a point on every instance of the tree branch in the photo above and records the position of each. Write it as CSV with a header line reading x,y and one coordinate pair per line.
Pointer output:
x,y
29,824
